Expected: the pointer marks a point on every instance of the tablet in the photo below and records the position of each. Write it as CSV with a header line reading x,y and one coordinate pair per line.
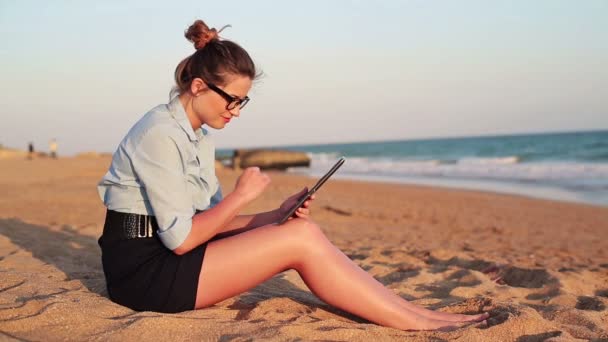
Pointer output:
x,y
313,190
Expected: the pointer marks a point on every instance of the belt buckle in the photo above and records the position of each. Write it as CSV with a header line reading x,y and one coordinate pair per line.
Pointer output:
x,y
147,229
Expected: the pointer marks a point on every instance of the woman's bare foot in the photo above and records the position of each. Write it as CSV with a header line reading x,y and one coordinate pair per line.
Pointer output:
x,y
432,324
446,316
482,324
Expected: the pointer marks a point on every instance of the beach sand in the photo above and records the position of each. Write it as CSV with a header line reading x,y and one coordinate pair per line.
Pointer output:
x,y
539,267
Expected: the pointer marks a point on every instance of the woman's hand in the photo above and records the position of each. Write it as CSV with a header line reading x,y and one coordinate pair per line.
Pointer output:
x,y
303,211
251,183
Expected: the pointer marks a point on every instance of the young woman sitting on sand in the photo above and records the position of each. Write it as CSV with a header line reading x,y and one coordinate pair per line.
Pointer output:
x,y
171,242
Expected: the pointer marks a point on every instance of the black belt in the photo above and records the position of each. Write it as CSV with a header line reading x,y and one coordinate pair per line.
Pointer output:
x,y
126,226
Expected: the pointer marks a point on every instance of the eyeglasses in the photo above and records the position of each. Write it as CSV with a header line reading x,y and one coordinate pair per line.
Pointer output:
x,y
233,101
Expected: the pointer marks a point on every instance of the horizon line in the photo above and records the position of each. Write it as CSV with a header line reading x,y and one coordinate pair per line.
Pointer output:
x,y
452,137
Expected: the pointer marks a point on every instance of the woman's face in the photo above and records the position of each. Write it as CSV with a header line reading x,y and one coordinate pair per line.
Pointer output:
x,y
209,106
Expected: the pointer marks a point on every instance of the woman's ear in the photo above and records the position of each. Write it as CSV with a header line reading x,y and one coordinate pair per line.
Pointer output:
x,y
197,86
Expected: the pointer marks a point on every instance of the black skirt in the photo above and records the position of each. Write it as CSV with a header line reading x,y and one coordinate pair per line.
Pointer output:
x,y
143,274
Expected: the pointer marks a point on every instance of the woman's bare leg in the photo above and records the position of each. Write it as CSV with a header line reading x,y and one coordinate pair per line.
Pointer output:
x,y
444,316
238,263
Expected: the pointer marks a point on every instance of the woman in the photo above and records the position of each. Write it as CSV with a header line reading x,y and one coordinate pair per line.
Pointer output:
x,y
172,242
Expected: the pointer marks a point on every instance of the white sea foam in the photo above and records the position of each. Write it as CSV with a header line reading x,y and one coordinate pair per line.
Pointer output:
x,y
490,161
504,168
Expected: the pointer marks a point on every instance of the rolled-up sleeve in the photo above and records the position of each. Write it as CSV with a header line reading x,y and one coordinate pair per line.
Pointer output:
x,y
217,197
157,163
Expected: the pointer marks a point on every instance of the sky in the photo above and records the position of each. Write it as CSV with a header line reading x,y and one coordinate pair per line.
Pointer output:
x,y
84,72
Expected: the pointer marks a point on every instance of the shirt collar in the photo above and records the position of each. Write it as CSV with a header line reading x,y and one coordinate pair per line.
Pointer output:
x,y
179,114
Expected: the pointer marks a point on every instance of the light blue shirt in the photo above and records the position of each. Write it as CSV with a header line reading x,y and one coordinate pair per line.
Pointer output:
x,y
163,168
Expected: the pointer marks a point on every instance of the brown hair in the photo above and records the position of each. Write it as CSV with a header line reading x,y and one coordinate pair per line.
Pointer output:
x,y
214,59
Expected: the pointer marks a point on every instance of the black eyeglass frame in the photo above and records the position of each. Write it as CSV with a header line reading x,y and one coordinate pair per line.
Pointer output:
x,y
233,101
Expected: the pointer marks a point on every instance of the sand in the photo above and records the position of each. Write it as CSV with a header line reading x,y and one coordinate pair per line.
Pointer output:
x,y
539,267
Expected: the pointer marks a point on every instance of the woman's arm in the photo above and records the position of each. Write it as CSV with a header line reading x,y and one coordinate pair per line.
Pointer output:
x,y
209,223
222,219
243,223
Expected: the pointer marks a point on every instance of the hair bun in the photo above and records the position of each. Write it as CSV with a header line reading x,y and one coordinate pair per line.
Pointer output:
x,y
200,34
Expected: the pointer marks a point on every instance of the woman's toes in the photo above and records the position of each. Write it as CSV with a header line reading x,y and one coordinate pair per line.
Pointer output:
x,y
482,324
483,316
477,318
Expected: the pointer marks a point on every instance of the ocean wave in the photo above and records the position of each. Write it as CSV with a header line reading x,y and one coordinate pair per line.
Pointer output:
x,y
503,168
490,161
323,157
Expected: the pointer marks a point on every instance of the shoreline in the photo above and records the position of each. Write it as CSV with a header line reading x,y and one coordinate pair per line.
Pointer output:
x,y
530,191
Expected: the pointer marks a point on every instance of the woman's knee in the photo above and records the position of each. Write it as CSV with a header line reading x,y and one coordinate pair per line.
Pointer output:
x,y
308,234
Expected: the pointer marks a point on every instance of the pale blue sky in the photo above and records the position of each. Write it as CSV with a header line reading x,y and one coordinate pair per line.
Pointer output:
x,y
84,72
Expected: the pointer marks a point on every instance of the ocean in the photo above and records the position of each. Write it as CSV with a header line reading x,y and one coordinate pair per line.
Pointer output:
x,y
561,166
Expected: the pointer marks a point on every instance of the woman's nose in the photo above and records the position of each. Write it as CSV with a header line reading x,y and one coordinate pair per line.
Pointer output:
x,y
235,112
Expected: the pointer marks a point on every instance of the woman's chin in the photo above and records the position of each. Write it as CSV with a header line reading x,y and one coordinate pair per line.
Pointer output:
x,y
217,125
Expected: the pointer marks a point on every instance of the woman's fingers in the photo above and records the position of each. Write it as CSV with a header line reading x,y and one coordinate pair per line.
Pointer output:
x,y
303,211
306,204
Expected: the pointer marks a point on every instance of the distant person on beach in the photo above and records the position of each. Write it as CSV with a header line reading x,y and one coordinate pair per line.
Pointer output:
x,y
173,242
30,150
53,148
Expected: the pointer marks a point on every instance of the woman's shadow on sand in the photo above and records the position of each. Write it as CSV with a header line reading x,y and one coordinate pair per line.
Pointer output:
x,y
79,257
